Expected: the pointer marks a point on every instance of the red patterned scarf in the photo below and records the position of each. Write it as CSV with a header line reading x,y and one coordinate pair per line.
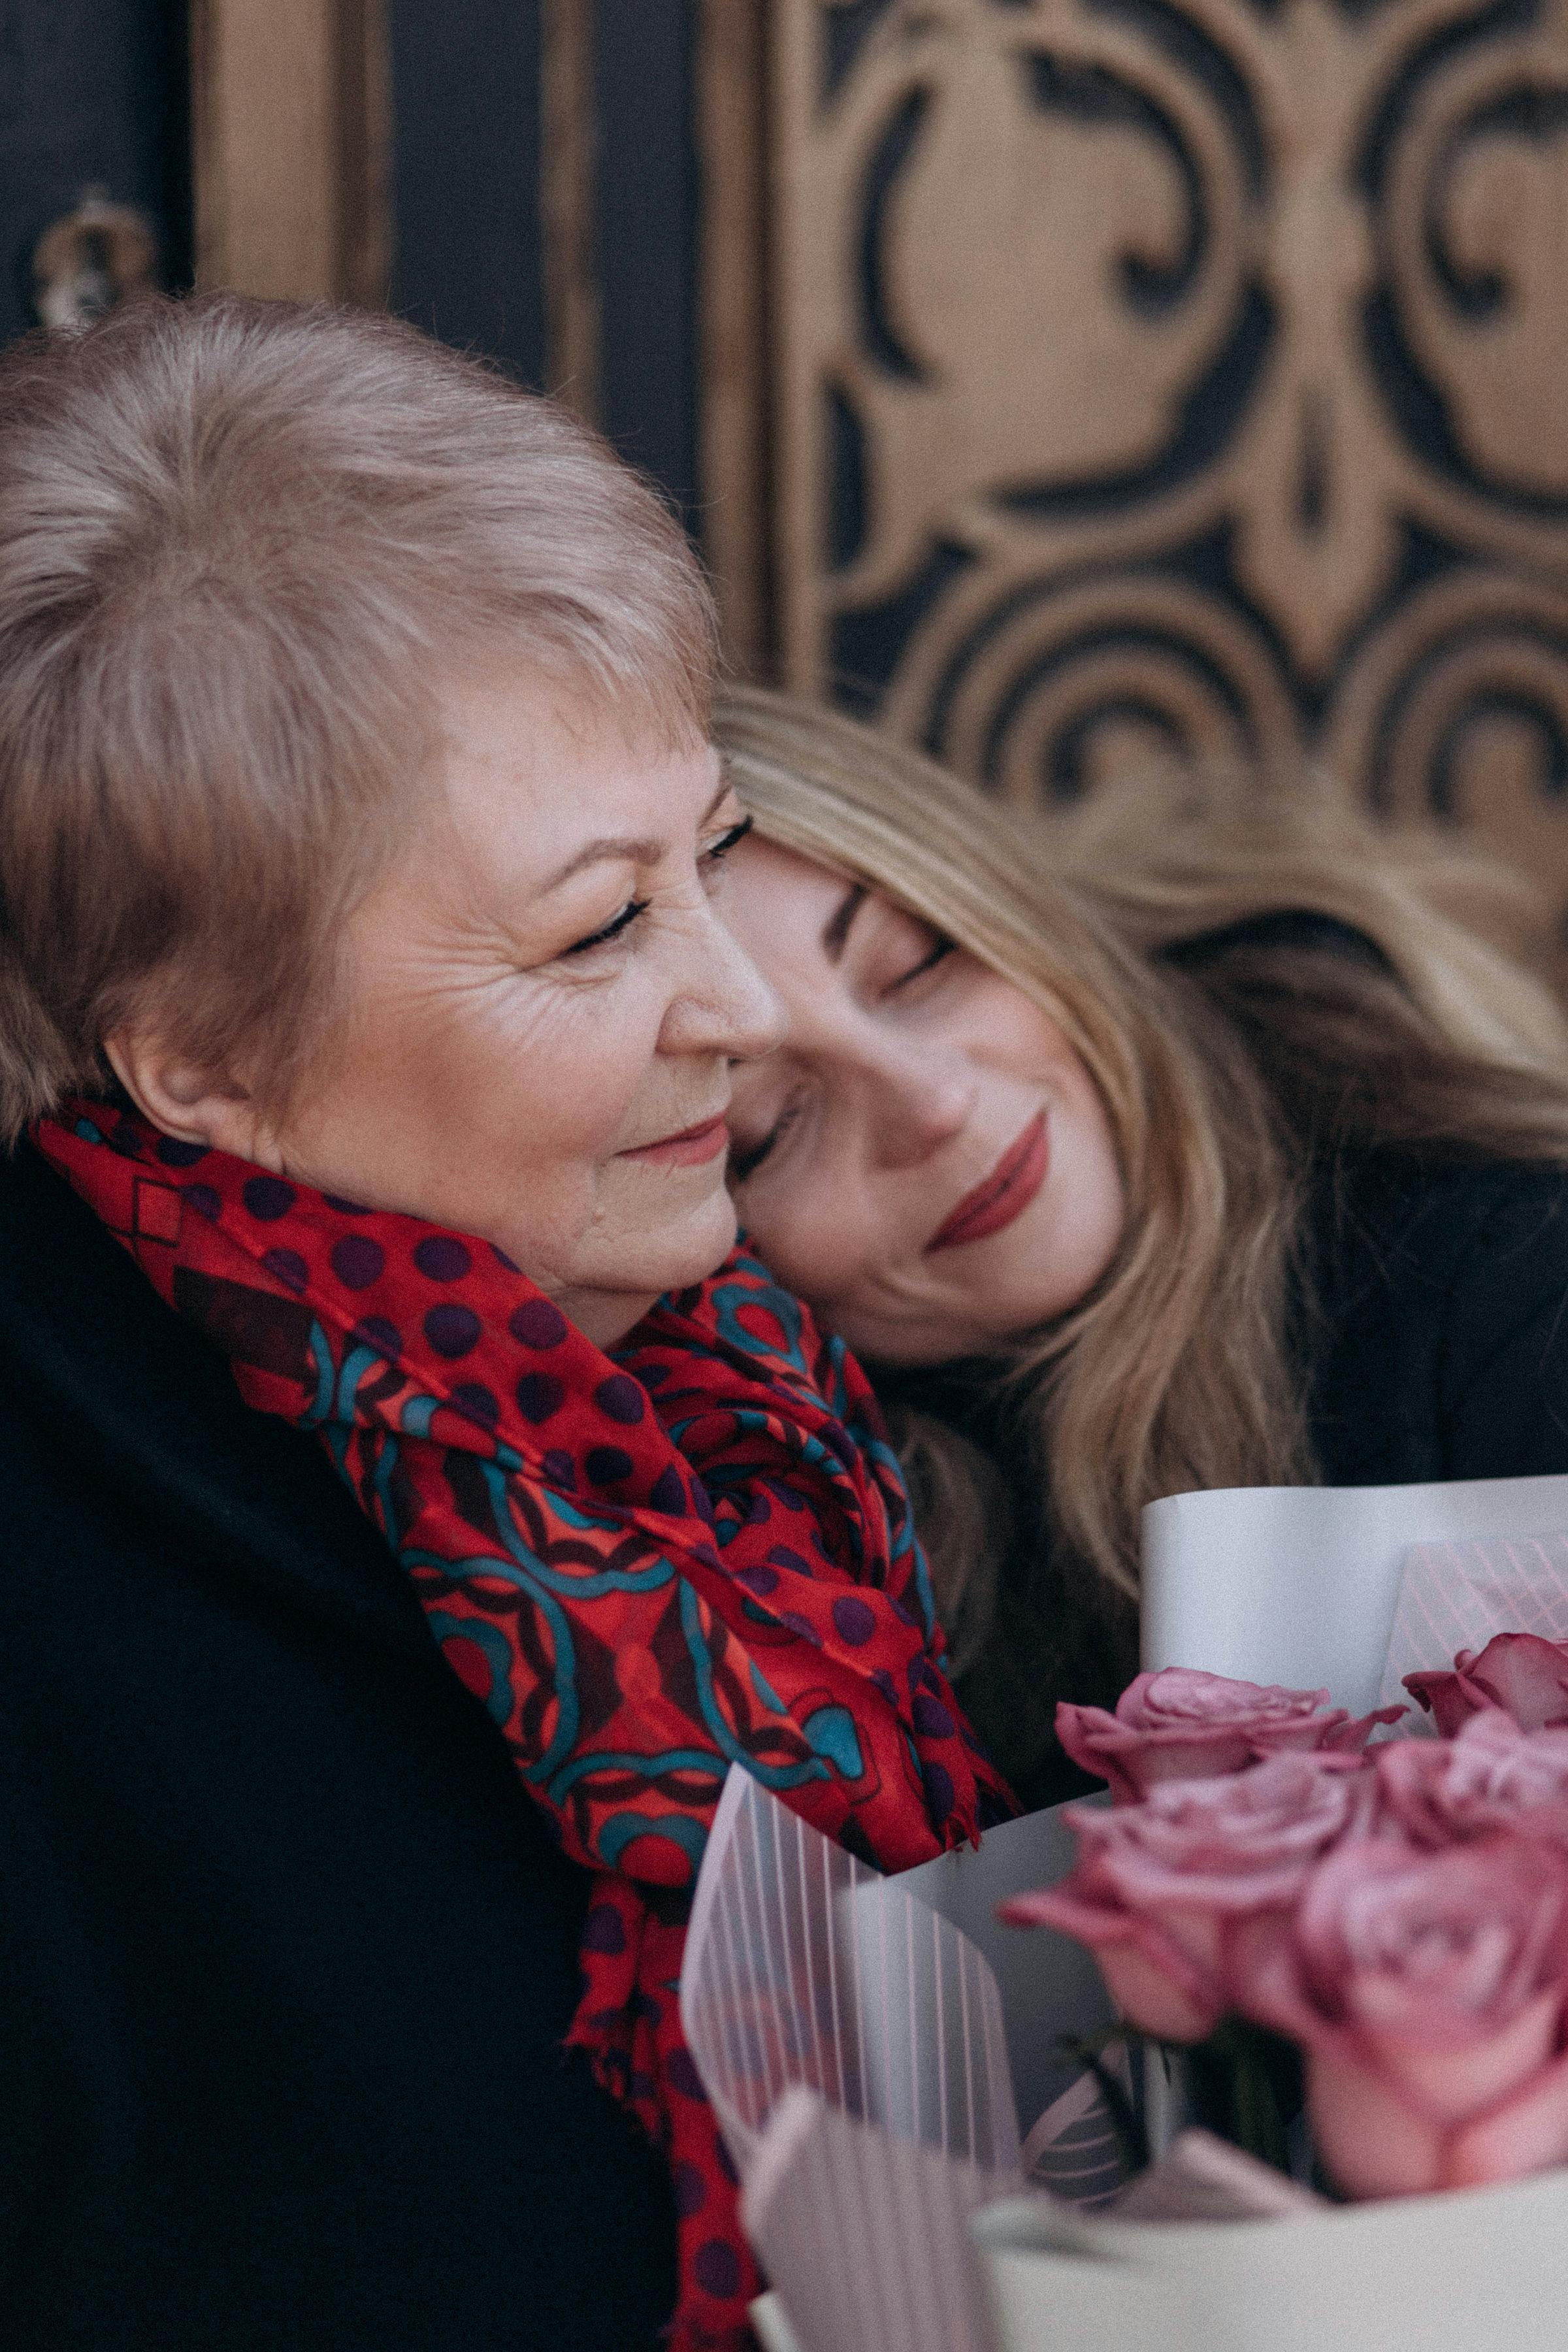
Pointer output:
x,y
647,1568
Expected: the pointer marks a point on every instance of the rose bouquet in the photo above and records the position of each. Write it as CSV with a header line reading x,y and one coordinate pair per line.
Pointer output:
x,y
1393,1916
1355,1934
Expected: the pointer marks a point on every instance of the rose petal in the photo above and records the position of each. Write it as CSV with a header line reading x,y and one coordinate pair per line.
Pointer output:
x,y
1492,1741
1180,1697
1135,1760
1260,1972
1371,2142
1091,1737
1350,1738
1183,1723
1298,1738
1526,2133
1527,1676
1150,1996
1491,1776
1196,1931
1446,1697
1160,1757
1412,1775
1232,1844
1130,1705
1450,2083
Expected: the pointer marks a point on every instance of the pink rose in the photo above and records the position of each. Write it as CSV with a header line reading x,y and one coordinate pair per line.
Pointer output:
x,y
1524,1675
1157,1886
1428,1993
1493,1776
1180,1725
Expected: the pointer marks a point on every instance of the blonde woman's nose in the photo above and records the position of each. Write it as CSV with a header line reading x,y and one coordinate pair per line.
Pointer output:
x,y
915,1108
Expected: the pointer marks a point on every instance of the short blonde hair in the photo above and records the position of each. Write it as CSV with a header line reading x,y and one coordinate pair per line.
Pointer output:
x,y
241,543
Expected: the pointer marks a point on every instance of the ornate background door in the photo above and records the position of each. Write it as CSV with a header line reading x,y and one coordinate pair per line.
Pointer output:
x,y
92,145
1061,382
1185,376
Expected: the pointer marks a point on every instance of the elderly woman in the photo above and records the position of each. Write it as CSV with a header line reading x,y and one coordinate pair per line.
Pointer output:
x,y
1200,1143
359,842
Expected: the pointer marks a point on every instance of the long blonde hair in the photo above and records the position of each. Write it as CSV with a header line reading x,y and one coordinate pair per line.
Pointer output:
x,y
1222,1087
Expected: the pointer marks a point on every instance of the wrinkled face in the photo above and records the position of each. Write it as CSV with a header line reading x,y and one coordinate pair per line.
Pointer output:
x,y
539,1011
925,1159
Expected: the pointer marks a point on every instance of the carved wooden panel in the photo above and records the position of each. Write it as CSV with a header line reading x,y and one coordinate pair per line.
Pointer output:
x,y
1187,376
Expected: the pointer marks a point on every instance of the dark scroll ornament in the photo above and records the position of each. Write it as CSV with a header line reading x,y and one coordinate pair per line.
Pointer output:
x,y
1186,383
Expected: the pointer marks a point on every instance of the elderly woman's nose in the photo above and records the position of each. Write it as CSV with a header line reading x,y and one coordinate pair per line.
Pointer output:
x,y
723,1005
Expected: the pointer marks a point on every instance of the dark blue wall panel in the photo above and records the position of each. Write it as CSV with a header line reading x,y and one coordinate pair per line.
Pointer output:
x,y
466,175
647,235
92,92
466,179
95,90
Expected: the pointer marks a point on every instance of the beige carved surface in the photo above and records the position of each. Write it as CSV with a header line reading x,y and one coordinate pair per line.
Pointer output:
x,y
1187,376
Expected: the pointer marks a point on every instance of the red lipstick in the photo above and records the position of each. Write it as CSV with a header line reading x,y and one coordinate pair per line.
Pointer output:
x,y
687,1149
1002,1195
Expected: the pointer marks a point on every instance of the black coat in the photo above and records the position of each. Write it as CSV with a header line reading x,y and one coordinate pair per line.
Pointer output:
x,y
1440,1340
286,1956
1433,1332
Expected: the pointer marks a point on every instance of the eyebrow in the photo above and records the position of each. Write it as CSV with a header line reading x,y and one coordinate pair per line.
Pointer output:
x,y
836,930
638,848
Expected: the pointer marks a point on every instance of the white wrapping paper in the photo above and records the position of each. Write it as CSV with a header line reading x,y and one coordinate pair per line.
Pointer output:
x,y
873,2046
1481,2270
869,2074
1300,1584
1456,1596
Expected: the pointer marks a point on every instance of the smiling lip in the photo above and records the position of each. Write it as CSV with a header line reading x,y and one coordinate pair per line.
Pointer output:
x,y
687,1149
1005,1194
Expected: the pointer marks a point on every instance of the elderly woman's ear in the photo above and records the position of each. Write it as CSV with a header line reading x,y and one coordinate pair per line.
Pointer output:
x,y
194,1105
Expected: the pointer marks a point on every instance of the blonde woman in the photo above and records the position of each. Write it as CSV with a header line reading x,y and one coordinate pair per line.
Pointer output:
x,y
1200,1142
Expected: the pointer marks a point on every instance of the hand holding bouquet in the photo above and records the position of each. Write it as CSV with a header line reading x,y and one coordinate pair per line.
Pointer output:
x,y
1398,1912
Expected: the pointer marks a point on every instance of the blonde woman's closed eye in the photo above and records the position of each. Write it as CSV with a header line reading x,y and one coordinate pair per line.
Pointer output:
x,y
745,1159
713,856
937,953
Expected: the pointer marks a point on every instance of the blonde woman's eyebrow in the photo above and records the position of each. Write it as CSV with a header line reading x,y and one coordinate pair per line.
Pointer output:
x,y
836,930
637,849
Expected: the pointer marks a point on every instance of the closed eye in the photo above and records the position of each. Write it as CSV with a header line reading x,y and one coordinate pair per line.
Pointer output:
x,y
719,850
710,859
622,922
746,1163
927,962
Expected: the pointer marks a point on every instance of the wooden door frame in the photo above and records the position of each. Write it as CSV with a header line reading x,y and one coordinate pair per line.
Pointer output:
x,y
734,415
291,136
290,108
